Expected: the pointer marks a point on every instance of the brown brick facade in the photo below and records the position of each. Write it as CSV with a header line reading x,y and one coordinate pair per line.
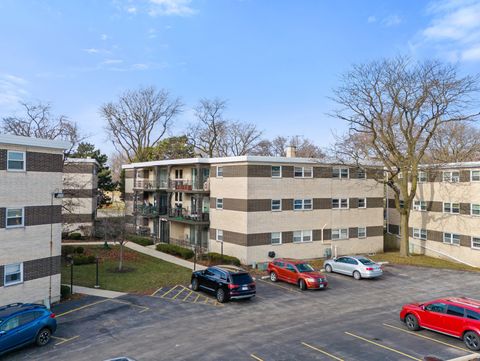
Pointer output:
x,y
82,168
80,193
3,159
37,268
78,218
36,215
44,162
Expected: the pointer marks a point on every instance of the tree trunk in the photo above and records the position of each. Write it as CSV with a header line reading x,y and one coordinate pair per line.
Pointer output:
x,y
120,263
404,235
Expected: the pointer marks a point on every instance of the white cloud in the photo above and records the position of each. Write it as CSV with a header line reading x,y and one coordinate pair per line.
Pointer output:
x,y
171,7
132,10
12,90
371,19
92,50
392,20
112,61
104,36
140,66
472,53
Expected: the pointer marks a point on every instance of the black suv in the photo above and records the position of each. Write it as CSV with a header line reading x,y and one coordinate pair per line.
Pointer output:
x,y
226,282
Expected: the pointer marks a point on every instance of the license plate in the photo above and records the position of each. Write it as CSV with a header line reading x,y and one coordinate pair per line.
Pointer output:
x,y
321,286
244,288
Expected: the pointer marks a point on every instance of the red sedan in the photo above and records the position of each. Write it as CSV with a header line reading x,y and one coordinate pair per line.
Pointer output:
x,y
458,317
297,272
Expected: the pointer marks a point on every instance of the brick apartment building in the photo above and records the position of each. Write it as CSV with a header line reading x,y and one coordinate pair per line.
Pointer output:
x,y
30,218
445,216
250,206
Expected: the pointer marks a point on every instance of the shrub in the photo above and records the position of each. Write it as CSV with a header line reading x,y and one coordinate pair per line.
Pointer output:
x,y
219,259
79,250
75,236
66,250
82,259
65,291
142,241
175,250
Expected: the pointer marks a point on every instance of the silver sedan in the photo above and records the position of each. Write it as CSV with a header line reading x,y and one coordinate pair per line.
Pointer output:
x,y
356,266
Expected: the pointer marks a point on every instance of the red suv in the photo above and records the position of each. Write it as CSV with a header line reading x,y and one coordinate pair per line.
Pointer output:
x,y
458,317
296,272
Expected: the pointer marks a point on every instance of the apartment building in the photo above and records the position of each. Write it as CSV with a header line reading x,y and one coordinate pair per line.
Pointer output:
x,y
252,207
445,216
80,183
30,218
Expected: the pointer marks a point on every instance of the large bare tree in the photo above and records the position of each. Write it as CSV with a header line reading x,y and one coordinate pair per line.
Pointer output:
x,y
305,148
397,106
39,122
239,139
139,119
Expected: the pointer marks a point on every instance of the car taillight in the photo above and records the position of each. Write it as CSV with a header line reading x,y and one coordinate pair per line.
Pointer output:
x,y
232,286
369,269
52,315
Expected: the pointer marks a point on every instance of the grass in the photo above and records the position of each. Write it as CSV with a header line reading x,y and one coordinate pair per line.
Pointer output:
x,y
146,274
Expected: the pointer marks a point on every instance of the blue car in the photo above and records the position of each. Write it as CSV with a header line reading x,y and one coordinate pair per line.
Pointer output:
x,y
25,323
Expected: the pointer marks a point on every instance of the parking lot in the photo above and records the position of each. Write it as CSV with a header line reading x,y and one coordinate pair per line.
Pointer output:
x,y
351,320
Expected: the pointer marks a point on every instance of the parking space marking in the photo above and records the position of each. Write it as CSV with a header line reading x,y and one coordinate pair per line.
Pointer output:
x,y
321,351
196,299
426,337
188,295
143,308
255,357
169,291
178,293
280,286
81,308
63,340
185,294
383,346
154,293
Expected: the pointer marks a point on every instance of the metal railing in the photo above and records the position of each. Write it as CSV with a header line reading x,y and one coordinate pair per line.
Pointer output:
x,y
150,211
150,184
187,215
189,185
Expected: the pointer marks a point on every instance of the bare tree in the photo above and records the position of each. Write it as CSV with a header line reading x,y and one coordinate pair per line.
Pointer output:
x,y
116,229
239,139
277,147
398,106
116,160
139,119
39,122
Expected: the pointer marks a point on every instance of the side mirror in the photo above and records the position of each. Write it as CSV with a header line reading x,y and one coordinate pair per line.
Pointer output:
x,y
422,307
2,333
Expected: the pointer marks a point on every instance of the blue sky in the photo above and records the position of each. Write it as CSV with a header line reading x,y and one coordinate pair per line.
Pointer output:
x,y
275,61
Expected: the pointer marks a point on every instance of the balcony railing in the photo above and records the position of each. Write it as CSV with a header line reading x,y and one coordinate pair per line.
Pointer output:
x,y
183,214
149,184
150,211
189,185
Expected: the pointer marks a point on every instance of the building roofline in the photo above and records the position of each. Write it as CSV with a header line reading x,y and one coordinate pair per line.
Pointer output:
x,y
34,142
451,165
82,160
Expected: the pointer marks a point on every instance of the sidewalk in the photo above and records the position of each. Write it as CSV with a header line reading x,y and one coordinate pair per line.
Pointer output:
x,y
97,292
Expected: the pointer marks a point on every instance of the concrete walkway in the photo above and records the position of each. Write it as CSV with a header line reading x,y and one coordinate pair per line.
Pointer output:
x,y
97,292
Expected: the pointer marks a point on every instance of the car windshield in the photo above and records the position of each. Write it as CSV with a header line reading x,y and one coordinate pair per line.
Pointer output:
x,y
366,261
241,279
304,267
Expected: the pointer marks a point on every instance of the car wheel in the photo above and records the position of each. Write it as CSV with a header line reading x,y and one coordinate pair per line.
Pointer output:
x,y
357,275
472,340
412,322
273,277
195,284
221,296
43,337
302,285
328,268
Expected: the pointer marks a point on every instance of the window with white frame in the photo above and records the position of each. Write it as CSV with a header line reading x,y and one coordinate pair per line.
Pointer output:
x,y
453,176
15,160
449,207
475,209
361,173
451,238
302,204
339,203
340,173
219,235
422,177
178,173
15,217
303,172
307,204
276,238
362,232
219,203
362,202
339,233
420,205
276,205
13,274
276,171
219,172
476,242
420,233
302,236
475,176
401,203
178,196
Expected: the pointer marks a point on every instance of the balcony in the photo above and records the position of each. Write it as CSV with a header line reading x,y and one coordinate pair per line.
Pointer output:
x,y
187,185
147,184
186,216
150,211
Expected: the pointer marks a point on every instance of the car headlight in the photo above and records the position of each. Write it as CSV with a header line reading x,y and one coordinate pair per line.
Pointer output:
x,y
310,279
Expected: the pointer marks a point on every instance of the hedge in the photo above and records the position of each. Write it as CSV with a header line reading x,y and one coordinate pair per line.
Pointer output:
x,y
65,291
68,250
175,250
75,236
81,259
219,259
142,241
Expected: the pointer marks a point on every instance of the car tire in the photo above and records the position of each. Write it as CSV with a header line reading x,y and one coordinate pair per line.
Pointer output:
x,y
221,296
328,268
357,275
302,285
273,277
412,322
195,284
43,337
472,340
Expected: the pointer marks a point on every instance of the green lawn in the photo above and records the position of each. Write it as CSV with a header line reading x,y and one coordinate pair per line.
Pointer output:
x,y
146,274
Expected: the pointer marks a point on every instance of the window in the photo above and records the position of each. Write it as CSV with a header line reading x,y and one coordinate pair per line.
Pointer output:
x,y
436,307
362,232
302,236
451,207
276,237
219,235
472,314
362,202
14,217
219,203
420,233
303,172
420,205
340,173
451,238
339,203
475,176
476,242
302,204
15,160
178,197
10,324
401,203
13,274
455,311
276,205
340,233
422,177
361,174
307,204
178,173
452,177
276,171
475,209
219,172
298,204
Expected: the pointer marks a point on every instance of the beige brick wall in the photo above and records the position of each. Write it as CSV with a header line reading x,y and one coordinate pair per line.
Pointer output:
x,y
446,251
35,291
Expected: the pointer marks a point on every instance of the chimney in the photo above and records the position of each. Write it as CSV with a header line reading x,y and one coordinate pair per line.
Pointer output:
x,y
291,151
